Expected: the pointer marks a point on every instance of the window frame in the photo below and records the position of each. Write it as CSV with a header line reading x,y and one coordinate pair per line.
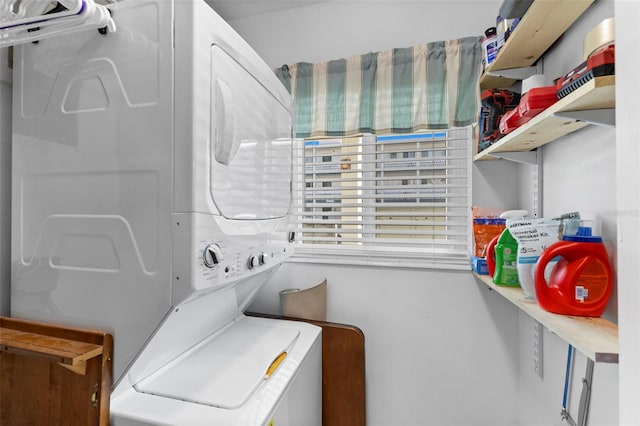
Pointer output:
x,y
370,253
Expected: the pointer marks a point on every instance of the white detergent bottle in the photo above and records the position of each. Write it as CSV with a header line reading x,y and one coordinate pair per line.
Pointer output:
x,y
533,237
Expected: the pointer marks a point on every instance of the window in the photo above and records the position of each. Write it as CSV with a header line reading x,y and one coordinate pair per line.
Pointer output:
x,y
397,199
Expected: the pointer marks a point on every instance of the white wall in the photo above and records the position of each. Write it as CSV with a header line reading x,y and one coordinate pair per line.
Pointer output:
x,y
579,174
451,310
341,28
5,183
440,348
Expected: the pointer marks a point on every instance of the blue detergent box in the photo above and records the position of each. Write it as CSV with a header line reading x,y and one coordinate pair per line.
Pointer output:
x,y
479,265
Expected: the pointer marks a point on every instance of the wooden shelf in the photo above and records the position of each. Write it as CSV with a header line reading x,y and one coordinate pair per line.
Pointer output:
x,y
543,23
546,127
34,387
70,354
596,338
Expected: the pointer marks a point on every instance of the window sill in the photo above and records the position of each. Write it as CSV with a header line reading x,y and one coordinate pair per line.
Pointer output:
x,y
387,258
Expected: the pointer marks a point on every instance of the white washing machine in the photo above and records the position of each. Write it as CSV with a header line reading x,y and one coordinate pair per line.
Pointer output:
x,y
151,194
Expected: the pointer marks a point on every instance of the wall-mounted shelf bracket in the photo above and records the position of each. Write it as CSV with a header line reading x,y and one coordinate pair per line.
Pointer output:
x,y
517,73
533,159
526,157
514,73
600,117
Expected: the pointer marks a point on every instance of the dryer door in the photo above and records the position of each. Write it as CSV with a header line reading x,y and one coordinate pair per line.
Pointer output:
x,y
250,175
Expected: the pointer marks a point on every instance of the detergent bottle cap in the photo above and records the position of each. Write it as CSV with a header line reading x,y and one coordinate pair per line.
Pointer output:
x,y
582,231
514,214
490,32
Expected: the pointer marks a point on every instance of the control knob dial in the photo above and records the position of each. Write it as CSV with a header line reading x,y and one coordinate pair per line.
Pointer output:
x,y
252,262
212,255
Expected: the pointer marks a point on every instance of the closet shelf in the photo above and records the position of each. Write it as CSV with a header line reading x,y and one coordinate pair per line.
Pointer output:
x,y
597,94
543,23
596,338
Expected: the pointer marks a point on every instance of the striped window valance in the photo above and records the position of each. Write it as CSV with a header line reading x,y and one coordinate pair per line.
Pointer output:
x,y
429,86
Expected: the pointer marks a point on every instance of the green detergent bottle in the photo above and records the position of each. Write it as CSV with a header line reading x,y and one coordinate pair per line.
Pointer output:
x,y
506,252
506,271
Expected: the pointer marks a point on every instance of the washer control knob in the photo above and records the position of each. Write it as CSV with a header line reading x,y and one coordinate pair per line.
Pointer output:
x,y
263,258
212,255
252,262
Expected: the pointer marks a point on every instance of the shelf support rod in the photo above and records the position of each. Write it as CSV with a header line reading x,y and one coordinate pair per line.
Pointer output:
x,y
537,182
526,157
599,117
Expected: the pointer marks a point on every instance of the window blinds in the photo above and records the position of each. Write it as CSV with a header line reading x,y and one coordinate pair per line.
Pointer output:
x,y
404,197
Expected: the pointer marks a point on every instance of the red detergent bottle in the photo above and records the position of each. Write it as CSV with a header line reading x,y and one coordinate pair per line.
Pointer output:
x,y
491,255
581,281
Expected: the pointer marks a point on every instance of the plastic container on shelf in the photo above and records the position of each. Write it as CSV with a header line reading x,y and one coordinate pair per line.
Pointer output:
x,y
580,283
532,103
484,229
536,100
489,46
510,121
502,254
533,236
504,270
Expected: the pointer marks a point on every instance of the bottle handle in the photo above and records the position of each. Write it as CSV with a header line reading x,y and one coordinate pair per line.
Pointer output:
x,y
547,256
490,254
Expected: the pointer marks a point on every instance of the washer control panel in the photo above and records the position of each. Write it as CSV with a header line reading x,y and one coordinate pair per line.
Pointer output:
x,y
222,261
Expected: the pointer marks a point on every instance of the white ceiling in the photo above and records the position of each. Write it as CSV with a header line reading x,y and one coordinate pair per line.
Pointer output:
x,y
236,9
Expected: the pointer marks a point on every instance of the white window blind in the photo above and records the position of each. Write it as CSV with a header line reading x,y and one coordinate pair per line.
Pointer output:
x,y
387,200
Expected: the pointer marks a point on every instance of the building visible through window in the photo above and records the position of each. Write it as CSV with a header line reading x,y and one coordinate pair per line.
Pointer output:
x,y
407,191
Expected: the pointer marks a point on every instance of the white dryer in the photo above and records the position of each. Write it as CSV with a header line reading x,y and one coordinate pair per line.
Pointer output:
x,y
151,194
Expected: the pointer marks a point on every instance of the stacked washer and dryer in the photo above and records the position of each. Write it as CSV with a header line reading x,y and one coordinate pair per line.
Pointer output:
x,y
151,195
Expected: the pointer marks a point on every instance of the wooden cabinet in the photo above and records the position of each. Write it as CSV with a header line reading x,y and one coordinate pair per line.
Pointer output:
x,y
52,375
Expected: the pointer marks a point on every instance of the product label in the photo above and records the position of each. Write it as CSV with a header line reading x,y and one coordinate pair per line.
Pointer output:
x,y
581,293
592,283
533,236
490,50
510,274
